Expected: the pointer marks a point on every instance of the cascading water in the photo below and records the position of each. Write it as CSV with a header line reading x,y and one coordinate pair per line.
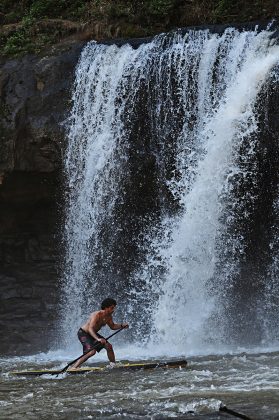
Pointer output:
x,y
163,181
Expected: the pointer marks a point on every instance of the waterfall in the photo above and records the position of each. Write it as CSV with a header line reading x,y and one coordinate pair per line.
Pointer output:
x,y
162,170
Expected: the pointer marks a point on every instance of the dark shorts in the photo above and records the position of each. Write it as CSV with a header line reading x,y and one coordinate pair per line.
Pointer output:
x,y
89,342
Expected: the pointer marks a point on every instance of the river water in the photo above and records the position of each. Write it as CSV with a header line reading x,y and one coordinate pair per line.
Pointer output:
x,y
246,383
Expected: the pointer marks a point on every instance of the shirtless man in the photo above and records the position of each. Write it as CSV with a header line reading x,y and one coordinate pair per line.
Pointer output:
x,y
88,333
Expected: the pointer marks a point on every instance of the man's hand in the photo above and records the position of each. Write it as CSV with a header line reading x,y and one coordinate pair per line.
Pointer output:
x,y
124,325
102,341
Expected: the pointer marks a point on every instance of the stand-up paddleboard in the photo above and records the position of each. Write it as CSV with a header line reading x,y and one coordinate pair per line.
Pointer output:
x,y
96,369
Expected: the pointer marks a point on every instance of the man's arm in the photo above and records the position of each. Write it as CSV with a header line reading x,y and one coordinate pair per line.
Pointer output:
x,y
114,326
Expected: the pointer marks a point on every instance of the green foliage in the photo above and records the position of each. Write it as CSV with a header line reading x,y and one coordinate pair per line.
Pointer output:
x,y
47,8
4,6
12,17
118,11
22,41
40,9
56,9
30,24
5,112
227,10
28,37
18,43
160,7
224,7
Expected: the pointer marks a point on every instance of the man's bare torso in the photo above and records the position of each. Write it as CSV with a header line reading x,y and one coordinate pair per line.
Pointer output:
x,y
96,321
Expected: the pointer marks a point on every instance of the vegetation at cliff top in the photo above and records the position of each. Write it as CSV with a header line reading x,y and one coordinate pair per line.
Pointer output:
x,y
31,26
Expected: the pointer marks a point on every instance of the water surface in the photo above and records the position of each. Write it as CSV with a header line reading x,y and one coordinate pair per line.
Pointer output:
x,y
246,383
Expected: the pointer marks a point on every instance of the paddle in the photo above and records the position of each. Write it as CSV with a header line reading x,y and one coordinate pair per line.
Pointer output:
x,y
233,412
95,347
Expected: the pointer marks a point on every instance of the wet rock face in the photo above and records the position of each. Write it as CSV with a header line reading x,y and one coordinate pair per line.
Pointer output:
x,y
29,298
35,94
29,246
35,100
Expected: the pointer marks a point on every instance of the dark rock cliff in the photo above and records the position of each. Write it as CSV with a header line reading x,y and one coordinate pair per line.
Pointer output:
x,y
35,99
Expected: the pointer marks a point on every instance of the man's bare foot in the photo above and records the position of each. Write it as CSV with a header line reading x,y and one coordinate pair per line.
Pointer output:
x,y
114,365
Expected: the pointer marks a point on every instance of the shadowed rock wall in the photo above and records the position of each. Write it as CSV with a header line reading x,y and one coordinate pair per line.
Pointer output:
x,y
35,98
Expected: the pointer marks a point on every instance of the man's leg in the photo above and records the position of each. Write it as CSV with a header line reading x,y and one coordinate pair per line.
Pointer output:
x,y
83,358
110,352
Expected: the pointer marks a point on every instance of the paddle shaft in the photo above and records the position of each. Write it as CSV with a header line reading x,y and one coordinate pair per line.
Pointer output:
x,y
233,413
73,361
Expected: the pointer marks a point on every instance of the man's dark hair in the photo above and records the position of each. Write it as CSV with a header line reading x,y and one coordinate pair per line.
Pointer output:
x,y
108,302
